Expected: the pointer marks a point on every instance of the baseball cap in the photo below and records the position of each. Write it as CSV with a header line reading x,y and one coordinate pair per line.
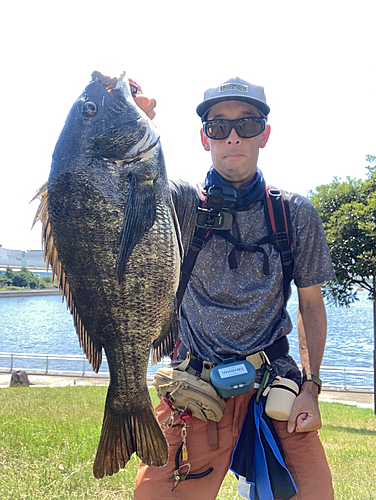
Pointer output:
x,y
234,89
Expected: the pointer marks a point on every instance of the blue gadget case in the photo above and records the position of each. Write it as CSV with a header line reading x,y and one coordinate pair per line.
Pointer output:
x,y
231,378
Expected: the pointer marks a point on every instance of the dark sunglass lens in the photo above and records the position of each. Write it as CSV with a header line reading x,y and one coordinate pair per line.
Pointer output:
x,y
249,128
217,130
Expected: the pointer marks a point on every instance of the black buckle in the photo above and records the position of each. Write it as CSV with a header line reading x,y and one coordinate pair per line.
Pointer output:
x,y
287,257
197,244
282,236
243,247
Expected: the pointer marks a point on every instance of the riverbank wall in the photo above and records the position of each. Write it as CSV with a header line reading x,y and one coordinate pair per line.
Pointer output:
x,y
30,293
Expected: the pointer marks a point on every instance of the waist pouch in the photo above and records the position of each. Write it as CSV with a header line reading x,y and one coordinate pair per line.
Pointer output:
x,y
188,392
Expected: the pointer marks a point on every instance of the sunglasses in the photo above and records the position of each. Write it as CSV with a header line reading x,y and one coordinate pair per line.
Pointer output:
x,y
246,128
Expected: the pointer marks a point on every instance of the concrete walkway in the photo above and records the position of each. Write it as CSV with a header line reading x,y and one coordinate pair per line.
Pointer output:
x,y
361,399
56,380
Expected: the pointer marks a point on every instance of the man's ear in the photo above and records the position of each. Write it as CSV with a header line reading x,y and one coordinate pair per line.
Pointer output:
x,y
265,136
204,141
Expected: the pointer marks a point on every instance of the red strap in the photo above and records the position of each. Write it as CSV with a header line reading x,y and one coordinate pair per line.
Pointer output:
x,y
175,354
271,215
270,210
285,219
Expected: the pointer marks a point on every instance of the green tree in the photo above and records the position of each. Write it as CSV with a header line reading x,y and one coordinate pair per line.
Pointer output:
x,y
9,273
348,212
25,278
6,279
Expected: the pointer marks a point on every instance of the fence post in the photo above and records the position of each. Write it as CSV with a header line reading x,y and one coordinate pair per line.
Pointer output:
x,y
46,365
344,377
83,367
11,363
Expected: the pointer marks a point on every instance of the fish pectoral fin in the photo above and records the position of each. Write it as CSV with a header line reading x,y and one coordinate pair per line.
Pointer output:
x,y
139,217
90,344
164,344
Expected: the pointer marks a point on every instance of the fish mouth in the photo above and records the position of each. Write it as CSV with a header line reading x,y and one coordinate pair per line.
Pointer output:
x,y
151,137
111,83
107,82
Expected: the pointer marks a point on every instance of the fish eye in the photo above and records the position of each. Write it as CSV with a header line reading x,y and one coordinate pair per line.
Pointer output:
x,y
89,109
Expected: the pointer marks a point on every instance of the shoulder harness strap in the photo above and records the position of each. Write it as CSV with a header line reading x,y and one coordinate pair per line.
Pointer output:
x,y
200,237
277,213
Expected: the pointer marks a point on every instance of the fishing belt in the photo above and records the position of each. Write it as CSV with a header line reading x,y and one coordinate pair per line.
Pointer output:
x,y
201,368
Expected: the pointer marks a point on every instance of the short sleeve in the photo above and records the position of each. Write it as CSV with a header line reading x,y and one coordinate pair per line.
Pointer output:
x,y
312,261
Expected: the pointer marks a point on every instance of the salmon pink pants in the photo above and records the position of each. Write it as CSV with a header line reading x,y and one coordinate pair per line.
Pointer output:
x,y
211,444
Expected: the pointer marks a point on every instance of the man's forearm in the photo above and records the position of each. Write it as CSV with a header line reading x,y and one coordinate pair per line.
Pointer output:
x,y
305,413
312,326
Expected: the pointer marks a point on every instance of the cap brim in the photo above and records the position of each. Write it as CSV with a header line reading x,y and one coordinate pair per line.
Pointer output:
x,y
206,105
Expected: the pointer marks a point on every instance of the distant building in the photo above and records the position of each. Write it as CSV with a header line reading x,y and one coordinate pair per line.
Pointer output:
x,y
19,258
35,255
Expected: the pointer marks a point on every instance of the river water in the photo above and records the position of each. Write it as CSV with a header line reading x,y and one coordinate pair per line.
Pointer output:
x,y
43,325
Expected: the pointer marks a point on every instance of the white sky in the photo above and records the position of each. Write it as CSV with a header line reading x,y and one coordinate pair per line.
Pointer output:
x,y
316,60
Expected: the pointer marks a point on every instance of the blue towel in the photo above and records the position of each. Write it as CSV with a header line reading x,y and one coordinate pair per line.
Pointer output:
x,y
259,458
254,192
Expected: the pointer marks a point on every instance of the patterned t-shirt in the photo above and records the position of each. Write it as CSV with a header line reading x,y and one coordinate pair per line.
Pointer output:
x,y
235,312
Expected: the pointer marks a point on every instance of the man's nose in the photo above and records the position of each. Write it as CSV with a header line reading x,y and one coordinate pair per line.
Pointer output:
x,y
233,138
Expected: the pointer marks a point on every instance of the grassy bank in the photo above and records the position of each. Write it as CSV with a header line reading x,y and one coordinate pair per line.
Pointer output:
x,y
48,440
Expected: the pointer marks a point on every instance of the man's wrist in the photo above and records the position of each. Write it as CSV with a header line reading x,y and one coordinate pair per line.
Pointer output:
x,y
312,379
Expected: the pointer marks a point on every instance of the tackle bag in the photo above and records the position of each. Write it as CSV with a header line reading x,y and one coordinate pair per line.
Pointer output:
x,y
188,392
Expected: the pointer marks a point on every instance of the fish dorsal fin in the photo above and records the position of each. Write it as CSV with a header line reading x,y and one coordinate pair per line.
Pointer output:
x,y
90,344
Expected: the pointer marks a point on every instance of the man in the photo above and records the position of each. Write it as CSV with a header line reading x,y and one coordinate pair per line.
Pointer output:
x,y
241,311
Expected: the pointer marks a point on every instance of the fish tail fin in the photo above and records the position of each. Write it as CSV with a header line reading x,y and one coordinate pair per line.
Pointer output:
x,y
122,435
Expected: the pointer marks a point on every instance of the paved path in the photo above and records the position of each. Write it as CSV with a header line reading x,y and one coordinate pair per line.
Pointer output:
x,y
56,380
362,399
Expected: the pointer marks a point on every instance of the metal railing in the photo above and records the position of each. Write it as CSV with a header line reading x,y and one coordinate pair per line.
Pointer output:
x,y
77,365
43,364
347,378
58,364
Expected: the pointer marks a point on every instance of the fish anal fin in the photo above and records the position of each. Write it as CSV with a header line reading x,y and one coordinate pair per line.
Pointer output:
x,y
123,435
90,344
139,217
165,343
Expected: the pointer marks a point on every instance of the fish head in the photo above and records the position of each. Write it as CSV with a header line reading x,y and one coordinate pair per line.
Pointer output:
x,y
104,122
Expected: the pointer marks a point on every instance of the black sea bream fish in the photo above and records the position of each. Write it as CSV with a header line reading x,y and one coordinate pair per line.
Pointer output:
x,y
111,237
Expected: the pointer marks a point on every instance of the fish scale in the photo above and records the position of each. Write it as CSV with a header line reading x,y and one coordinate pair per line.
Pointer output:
x,y
111,236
